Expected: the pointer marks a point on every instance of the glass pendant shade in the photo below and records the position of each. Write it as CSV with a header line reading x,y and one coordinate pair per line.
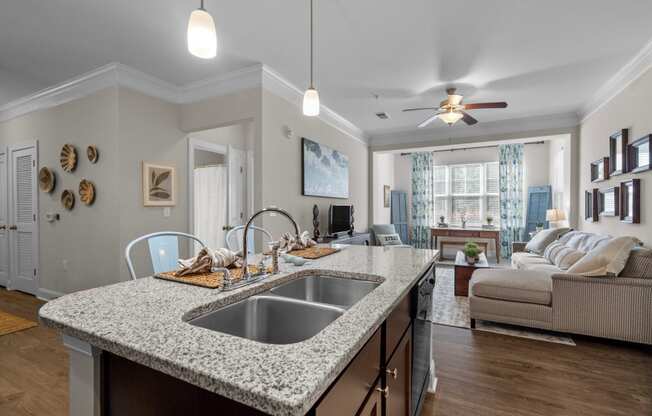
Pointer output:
x,y
450,117
202,38
311,102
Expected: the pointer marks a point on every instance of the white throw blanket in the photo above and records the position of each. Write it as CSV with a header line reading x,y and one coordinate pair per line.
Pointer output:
x,y
206,260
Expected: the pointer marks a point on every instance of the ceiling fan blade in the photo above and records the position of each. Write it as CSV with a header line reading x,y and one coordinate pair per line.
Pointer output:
x,y
476,106
427,121
421,108
468,119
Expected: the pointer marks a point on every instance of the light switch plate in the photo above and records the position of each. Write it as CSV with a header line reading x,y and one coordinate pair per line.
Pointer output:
x,y
166,211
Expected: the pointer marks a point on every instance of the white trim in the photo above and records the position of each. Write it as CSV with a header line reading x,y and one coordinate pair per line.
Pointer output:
x,y
487,129
116,74
278,85
47,294
198,144
629,73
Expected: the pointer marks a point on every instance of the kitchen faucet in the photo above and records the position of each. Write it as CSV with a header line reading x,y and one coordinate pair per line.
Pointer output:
x,y
245,271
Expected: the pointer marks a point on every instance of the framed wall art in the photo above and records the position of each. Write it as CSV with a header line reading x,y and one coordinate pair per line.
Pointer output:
x,y
325,171
630,201
600,170
591,206
618,163
609,202
159,185
639,154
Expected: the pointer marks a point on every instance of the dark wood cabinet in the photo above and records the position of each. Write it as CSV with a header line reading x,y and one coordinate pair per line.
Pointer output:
x,y
350,389
373,405
396,324
398,379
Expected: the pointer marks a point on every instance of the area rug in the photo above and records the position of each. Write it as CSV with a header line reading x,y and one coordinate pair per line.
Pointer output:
x,y
11,323
452,310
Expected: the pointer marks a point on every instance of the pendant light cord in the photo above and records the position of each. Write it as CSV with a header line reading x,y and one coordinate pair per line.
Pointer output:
x,y
311,48
201,5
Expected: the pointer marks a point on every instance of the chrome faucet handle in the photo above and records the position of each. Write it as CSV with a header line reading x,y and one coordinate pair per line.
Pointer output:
x,y
227,280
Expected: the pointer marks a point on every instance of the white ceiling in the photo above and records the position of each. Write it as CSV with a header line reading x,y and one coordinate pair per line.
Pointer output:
x,y
543,57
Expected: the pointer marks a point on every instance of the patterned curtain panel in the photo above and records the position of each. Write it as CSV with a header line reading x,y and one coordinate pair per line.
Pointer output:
x,y
422,199
510,158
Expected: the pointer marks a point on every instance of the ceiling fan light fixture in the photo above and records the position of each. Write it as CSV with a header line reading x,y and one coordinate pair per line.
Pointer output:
x,y
455,99
450,117
202,36
311,102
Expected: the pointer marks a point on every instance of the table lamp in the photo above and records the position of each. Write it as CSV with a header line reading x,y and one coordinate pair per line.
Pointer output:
x,y
555,215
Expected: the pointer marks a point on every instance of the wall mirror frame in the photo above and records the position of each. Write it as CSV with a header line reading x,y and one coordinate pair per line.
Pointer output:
x,y
618,153
639,154
600,170
591,206
630,201
609,202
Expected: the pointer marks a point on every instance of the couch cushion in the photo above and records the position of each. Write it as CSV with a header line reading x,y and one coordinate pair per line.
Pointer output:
x,y
524,261
606,260
583,241
639,264
543,238
527,286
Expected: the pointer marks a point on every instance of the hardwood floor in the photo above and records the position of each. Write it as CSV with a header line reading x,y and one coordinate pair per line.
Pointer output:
x,y
33,364
487,374
479,373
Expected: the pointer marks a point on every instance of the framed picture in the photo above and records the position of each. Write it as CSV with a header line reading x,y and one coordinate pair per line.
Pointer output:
x,y
609,202
386,196
639,154
618,158
630,201
591,206
159,185
325,171
600,170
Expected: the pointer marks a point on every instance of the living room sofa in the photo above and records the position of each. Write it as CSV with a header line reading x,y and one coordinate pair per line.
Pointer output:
x,y
536,293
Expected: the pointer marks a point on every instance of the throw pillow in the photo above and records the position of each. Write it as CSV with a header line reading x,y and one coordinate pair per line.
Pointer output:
x,y
543,238
566,257
607,260
389,239
551,251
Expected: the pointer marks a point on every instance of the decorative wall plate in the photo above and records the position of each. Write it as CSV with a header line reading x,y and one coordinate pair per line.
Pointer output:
x,y
46,179
92,153
86,191
68,157
68,199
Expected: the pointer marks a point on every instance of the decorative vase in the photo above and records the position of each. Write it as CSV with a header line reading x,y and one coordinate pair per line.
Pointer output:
x,y
472,260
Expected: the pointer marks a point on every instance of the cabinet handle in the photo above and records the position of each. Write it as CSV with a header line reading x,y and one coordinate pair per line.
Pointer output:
x,y
393,373
384,391
13,227
3,227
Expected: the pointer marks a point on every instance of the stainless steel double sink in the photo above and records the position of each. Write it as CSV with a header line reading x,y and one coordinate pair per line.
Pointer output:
x,y
289,313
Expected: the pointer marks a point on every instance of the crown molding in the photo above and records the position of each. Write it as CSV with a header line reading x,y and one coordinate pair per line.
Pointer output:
x,y
116,74
629,73
276,84
83,85
523,125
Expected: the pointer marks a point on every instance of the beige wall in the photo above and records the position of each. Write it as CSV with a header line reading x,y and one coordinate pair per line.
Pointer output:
x,y
629,109
383,174
82,249
281,168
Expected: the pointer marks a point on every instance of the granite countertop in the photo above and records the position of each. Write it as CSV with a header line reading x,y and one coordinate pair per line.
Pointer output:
x,y
145,321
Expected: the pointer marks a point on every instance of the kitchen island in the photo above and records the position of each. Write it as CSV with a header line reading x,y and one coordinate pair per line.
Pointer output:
x,y
145,323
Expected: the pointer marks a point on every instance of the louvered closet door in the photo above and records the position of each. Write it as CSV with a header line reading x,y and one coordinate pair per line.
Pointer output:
x,y
4,232
22,213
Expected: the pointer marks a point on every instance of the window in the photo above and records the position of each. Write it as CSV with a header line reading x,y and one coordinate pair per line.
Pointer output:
x,y
470,191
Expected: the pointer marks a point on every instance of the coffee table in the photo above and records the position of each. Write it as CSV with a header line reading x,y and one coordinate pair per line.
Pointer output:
x,y
464,270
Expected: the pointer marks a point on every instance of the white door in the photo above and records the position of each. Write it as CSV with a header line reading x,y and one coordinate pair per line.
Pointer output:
x,y
4,232
23,230
237,171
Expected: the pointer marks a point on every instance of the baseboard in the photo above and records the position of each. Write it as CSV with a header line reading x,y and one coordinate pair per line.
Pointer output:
x,y
47,294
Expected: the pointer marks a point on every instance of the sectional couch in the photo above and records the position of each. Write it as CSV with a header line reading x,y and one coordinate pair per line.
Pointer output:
x,y
538,293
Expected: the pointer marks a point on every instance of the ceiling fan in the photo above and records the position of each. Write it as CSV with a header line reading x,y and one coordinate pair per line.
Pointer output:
x,y
451,110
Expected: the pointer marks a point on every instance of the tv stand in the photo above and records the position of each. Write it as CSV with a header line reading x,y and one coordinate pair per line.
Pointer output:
x,y
358,239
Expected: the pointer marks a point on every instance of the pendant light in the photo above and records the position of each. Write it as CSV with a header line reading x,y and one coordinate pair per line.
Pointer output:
x,y
202,38
311,96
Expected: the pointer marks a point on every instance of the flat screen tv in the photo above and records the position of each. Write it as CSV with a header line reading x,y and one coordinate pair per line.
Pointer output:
x,y
339,218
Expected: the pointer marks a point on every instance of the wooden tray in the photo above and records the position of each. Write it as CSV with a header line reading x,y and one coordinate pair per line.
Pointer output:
x,y
314,253
209,280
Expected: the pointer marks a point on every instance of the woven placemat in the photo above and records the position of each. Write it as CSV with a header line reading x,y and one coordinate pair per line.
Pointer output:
x,y
209,280
313,253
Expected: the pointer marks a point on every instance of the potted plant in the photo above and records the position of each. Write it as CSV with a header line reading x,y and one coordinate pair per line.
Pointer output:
x,y
540,226
471,252
490,219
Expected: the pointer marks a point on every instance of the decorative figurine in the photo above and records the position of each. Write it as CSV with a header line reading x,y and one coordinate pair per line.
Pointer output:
x,y
315,222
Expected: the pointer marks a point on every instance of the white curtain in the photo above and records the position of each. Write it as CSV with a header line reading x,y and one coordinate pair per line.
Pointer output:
x,y
210,205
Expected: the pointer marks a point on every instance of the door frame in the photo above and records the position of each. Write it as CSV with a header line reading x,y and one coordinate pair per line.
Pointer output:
x,y
198,144
36,243
4,150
